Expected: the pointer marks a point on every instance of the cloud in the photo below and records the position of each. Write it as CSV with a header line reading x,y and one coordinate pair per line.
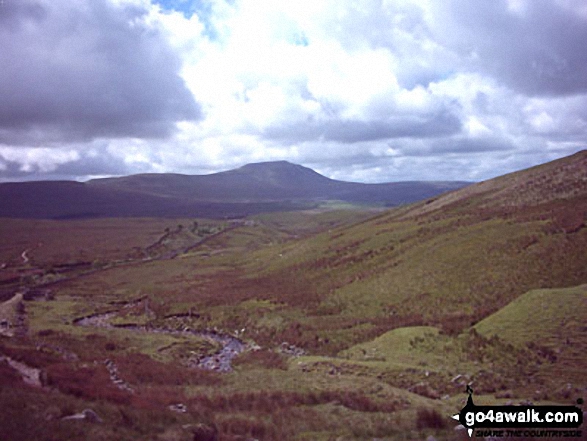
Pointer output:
x,y
82,70
560,118
61,162
343,86
535,47
374,90
352,131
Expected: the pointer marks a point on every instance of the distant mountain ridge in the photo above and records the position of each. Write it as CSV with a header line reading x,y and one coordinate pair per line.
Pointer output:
x,y
253,188
271,182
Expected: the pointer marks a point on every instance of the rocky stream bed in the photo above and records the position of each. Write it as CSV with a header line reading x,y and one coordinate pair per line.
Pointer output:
x,y
219,361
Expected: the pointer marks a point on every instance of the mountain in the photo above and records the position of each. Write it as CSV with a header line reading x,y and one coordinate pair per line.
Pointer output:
x,y
448,261
273,181
253,188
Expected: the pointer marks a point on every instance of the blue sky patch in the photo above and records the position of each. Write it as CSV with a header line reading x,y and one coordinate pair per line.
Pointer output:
x,y
202,8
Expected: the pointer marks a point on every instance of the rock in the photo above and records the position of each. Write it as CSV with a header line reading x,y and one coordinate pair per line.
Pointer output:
x,y
91,416
205,432
87,414
75,416
52,413
430,438
291,350
425,390
180,408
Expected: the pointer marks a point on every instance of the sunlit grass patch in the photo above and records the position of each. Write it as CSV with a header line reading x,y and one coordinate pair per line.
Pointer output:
x,y
394,346
546,316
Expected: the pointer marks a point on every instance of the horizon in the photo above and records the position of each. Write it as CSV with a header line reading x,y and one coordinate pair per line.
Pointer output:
x,y
254,163
41,179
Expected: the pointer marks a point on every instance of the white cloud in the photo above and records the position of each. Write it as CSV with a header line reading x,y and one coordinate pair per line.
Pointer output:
x,y
42,160
372,90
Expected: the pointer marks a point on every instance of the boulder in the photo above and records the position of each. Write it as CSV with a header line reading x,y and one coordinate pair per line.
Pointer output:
x,y
205,432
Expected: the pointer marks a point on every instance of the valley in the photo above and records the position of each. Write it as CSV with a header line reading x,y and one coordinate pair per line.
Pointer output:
x,y
330,322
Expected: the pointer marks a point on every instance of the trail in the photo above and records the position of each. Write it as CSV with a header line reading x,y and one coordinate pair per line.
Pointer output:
x,y
62,276
30,375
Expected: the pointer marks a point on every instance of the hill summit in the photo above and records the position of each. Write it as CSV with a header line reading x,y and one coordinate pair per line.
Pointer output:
x,y
282,173
250,189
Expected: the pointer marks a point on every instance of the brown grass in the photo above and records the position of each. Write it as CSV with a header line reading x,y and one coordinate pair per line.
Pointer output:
x,y
85,381
141,369
262,358
429,419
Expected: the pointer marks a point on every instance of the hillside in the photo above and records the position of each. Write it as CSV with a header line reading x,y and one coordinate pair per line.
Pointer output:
x,y
553,319
450,261
251,189
560,180
316,324
76,200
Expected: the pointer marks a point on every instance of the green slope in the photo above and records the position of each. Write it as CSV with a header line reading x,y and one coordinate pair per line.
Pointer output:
x,y
552,321
549,317
448,267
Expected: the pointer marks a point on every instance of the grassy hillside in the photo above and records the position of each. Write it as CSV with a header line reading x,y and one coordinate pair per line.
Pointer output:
x,y
551,320
544,316
448,267
352,325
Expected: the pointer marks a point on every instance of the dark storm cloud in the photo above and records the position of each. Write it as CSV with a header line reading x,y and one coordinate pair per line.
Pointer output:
x,y
73,71
95,161
537,50
98,163
9,170
353,131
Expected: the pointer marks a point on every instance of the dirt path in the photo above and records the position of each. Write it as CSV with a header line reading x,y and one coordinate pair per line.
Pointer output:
x,y
30,375
12,316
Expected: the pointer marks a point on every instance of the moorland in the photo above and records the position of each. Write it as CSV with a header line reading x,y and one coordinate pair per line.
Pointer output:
x,y
335,321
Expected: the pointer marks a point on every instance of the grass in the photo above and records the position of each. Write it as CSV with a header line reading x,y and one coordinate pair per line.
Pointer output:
x,y
33,415
451,271
103,239
544,316
551,321
395,346
394,313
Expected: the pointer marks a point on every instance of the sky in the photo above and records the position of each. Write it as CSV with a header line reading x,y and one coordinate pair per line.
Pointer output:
x,y
366,91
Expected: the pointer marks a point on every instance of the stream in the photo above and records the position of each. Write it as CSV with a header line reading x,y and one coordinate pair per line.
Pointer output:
x,y
219,361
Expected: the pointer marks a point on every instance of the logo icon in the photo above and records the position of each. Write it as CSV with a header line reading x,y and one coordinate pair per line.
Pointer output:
x,y
516,417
